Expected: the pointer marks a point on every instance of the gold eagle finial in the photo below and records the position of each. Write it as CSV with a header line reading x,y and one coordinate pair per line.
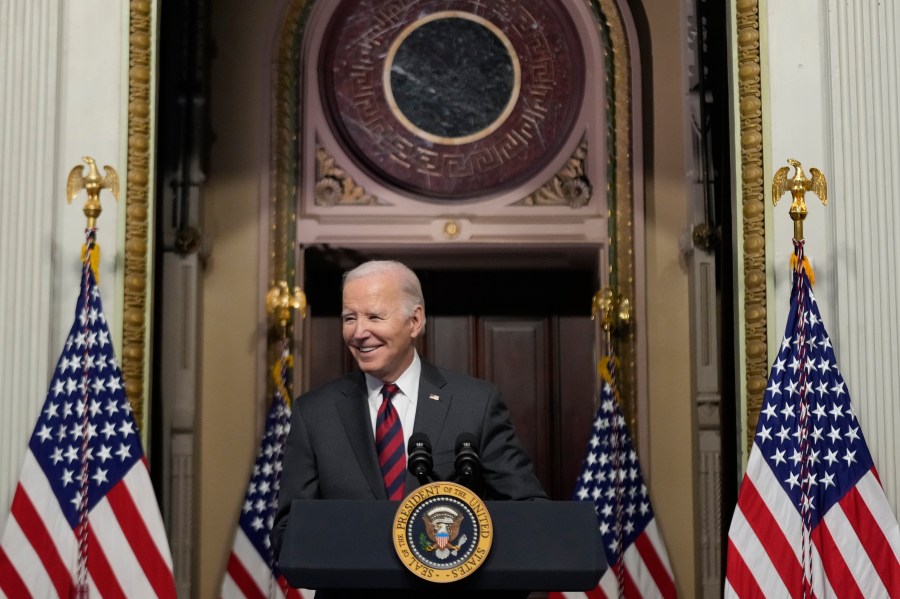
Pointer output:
x,y
93,183
281,299
798,185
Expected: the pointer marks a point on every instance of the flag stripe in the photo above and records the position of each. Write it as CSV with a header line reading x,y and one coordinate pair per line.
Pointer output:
x,y
108,532
25,562
739,576
753,558
872,493
608,587
839,575
876,545
766,529
654,565
142,543
257,569
140,489
33,528
631,589
242,579
288,591
11,584
44,501
101,571
851,544
785,515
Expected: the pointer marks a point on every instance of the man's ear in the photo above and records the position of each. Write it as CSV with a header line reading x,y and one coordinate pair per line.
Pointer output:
x,y
417,319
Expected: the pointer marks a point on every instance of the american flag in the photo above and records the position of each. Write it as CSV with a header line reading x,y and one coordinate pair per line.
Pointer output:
x,y
812,518
251,571
611,478
84,519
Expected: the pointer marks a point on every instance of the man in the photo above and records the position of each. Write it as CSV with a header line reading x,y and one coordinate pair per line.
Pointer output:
x,y
331,450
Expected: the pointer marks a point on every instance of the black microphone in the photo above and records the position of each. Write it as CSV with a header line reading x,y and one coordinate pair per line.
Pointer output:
x,y
419,461
467,461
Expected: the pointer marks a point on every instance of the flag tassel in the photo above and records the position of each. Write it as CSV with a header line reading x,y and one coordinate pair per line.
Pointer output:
x,y
806,267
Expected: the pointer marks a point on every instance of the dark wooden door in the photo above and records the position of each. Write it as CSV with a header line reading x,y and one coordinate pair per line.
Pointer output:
x,y
520,330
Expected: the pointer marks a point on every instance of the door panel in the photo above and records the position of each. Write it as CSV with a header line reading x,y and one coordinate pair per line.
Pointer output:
x,y
513,354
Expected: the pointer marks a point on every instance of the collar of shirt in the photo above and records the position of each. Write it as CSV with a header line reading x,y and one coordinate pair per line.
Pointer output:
x,y
404,401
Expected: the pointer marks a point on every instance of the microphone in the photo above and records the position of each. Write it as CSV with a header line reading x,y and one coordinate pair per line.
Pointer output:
x,y
467,461
419,461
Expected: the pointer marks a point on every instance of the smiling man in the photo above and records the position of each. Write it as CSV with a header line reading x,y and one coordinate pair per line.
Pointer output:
x,y
348,438
383,314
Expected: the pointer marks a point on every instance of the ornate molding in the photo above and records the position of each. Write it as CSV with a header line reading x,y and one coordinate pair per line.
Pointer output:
x,y
137,289
284,173
569,187
753,208
620,132
335,187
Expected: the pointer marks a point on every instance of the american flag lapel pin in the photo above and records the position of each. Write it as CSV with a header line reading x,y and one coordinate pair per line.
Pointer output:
x,y
434,397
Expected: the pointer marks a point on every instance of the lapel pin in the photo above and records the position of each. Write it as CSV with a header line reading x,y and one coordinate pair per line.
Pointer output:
x,y
434,397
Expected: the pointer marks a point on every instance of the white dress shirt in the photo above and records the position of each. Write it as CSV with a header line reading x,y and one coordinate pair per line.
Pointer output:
x,y
404,400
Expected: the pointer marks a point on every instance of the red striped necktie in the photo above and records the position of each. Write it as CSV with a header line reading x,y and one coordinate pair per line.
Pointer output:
x,y
389,443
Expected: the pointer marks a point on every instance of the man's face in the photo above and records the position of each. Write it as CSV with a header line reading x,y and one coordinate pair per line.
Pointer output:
x,y
376,327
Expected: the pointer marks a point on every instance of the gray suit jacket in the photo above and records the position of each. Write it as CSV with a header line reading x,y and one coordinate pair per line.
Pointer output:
x,y
330,450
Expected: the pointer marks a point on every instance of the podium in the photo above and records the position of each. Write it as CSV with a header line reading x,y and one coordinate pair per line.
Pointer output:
x,y
537,546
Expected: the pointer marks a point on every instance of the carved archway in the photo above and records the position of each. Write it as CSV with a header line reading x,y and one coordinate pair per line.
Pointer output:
x,y
317,181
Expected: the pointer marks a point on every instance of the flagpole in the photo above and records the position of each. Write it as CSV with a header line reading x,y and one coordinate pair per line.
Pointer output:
x,y
93,183
281,301
798,186
614,313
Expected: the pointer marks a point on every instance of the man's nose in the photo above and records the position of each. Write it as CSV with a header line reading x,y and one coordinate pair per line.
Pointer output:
x,y
360,329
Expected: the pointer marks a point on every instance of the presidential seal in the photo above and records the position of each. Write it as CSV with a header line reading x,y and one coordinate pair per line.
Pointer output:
x,y
442,532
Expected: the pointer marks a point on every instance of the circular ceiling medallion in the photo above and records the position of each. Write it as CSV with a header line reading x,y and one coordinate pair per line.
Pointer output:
x,y
452,78
451,99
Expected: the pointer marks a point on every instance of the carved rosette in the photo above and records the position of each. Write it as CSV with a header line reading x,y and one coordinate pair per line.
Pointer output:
x,y
334,187
753,192
569,187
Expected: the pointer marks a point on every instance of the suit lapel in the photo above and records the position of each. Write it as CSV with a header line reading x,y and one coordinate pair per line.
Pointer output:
x,y
432,406
433,402
354,413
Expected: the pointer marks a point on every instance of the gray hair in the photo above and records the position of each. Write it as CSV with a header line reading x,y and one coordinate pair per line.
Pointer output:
x,y
410,287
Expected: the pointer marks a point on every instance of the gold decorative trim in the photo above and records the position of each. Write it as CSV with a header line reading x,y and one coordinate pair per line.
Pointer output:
x,y
285,167
134,311
753,207
569,187
334,187
620,126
